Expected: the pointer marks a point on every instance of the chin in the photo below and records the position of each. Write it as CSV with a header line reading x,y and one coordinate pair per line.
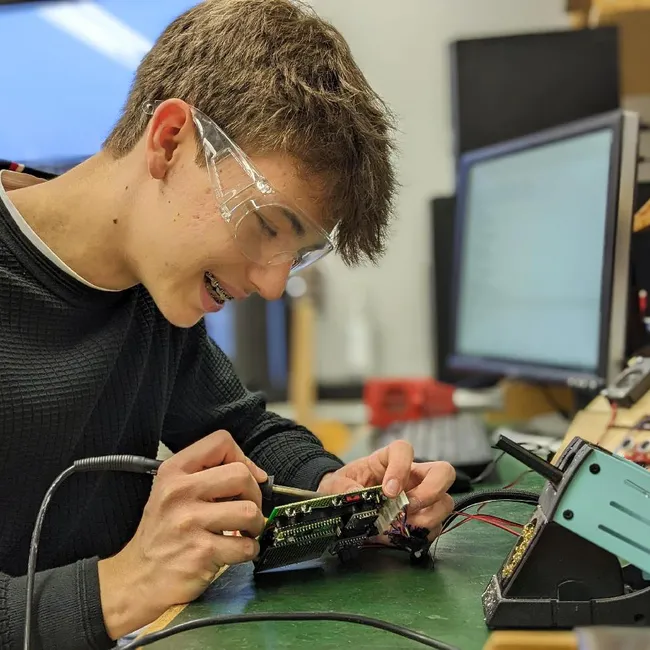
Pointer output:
x,y
184,323
180,315
183,319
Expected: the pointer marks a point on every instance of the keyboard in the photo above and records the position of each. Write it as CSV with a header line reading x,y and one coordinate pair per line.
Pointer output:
x,y
461,440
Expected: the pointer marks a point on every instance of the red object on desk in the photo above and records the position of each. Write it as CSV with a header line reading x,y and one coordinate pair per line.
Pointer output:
x,y
406,400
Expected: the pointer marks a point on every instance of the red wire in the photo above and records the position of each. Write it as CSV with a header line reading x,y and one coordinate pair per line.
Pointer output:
x,y
498,522
508,522
491,518
485,520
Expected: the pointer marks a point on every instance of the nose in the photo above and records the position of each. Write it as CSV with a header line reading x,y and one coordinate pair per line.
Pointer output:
x,y
270,281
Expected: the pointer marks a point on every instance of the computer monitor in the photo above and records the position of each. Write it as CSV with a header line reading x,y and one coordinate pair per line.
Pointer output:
x,y
542,251
505,87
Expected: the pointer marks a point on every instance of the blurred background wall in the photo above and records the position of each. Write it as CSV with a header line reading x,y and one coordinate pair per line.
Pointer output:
x,y
402,47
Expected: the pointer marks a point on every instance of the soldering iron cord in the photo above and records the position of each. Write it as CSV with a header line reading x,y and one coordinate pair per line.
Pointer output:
x,y
289,616
483,496
114,463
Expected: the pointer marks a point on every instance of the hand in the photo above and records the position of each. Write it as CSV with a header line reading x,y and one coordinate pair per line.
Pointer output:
x,y
204,490
425,484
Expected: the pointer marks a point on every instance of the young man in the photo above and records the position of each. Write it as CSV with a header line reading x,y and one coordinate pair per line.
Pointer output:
x,y
105,274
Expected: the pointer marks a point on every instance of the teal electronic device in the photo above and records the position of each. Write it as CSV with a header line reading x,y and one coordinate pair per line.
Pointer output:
x,y
583,557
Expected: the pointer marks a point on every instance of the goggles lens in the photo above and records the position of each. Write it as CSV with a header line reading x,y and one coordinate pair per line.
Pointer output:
x,y
274,234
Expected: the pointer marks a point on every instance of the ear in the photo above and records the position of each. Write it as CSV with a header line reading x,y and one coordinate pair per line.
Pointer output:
x,y
170,131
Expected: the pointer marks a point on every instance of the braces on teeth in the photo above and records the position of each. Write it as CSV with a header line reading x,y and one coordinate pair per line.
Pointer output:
x,y
217,291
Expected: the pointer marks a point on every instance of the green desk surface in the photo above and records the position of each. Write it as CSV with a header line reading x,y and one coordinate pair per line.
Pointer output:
x,y
443,601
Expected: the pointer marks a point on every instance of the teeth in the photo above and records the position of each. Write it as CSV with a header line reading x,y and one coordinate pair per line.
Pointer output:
x,y
215,290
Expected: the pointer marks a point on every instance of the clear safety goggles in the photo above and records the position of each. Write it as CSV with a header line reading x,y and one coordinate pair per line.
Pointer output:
x,y
268,228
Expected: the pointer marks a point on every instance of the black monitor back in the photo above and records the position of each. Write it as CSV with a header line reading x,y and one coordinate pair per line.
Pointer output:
x,y
443,210
509,86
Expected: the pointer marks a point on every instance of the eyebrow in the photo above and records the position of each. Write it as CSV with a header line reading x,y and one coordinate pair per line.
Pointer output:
x,y
296,225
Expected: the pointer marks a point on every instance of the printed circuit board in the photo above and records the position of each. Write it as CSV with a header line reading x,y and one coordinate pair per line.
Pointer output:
x,y
332,525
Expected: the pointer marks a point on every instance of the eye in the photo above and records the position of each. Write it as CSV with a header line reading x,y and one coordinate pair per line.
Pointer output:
x,y
265,227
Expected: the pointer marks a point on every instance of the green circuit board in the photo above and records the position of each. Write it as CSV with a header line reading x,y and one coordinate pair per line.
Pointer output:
x,y
334,524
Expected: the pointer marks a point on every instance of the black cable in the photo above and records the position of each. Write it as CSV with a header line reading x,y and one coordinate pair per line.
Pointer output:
x,y
114,463
488,496
484,496
230,619
487,472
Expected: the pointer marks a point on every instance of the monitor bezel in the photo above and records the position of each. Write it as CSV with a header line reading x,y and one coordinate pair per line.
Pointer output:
x,y
613,285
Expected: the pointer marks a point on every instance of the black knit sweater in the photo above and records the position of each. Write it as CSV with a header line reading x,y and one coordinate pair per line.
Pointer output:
x,y
86,373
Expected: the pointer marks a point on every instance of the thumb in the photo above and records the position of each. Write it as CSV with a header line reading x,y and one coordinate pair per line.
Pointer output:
x,y
258,473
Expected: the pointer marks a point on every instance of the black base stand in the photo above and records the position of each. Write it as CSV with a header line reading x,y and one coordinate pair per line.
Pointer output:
x,y
554,579
504,613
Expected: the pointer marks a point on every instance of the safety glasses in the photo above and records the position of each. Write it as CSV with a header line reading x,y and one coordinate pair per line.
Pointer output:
x,y
267,226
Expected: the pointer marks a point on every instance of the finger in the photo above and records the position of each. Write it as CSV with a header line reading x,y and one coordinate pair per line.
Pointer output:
x,y
333,484
242,516
227,482
438,478
215,449
395,461
231,549
435,532
432,517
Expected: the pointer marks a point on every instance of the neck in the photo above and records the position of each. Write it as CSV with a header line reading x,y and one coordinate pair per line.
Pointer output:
x,y
82,216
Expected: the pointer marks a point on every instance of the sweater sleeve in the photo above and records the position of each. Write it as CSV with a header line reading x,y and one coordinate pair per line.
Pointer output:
x,y
67,610
208,396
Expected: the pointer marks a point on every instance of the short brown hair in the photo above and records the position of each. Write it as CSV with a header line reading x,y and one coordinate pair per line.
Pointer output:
x,y
274,76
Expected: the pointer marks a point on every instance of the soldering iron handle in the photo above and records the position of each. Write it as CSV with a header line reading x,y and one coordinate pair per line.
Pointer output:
x,y
267,496
537,464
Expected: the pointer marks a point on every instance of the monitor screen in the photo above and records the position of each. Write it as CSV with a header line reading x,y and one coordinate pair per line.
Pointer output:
x,y
541,263
532,256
